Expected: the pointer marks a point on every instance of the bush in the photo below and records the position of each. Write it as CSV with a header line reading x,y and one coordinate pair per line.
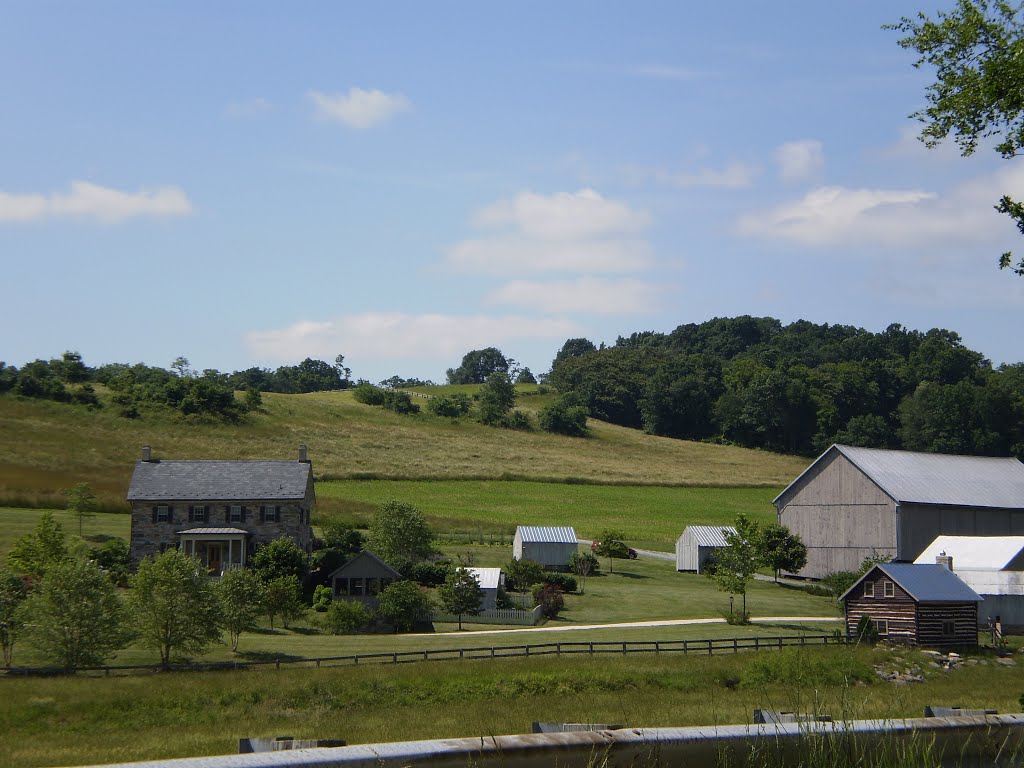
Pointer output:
x,y
400,402
521,574
867,631
564,581
431,573
517,420
321,598
451,406
549,598
562,418
838,582
368,394
345,618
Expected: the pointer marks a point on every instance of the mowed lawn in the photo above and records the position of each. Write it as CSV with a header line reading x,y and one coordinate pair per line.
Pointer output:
x,y
15,523
650,516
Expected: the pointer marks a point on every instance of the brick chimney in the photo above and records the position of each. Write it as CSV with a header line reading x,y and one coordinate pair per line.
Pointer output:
x,y
943,559
303,454
147,453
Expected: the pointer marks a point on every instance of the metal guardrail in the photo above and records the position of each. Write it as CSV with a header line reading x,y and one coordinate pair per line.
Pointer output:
x,y
708,647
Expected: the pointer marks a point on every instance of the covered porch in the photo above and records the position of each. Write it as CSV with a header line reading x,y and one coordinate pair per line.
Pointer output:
x,y
219,549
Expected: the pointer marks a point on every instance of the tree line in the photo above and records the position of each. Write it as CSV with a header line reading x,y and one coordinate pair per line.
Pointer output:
x,y
798,388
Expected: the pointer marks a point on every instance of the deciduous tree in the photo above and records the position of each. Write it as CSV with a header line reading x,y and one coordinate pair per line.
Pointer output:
x,y
976,51
240,594
497,396
780,549
610,544
34,553
738,562
174,606
81,503
461,594
12,595
74,616
399,535
282,597
403,604
477,365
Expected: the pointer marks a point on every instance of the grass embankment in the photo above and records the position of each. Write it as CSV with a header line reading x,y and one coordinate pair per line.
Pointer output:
x,y
49,446
73,721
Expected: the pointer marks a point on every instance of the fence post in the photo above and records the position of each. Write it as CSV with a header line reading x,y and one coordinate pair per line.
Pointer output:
x,y
355,660
780,642
757,643
527,649
686,647
657,646
735,647
277,663
558,649
591,647
801,640
709,648
318,663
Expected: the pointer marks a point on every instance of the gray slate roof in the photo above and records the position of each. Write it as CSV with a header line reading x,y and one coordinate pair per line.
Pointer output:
x,y
709,535
936,478
546,534
925,582
219,480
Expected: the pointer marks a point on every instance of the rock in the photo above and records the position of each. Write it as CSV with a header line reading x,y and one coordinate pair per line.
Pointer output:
x,y
934,664
1007,662
932,653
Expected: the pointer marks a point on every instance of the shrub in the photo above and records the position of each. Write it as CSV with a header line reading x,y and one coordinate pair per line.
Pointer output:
x,y
517,420
549,598
451,406
521,574
564,581
400,402
368,394
867,631
345,618
431,573
562,418
838,582
321,598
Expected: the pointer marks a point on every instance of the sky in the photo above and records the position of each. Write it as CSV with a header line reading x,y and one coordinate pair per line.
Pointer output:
x,y
250,184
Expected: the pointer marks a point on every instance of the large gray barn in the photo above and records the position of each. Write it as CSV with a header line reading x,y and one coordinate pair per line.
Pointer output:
x,y
852,503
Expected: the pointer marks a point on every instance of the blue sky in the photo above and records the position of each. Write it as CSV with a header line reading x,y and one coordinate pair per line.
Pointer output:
x,y
248,183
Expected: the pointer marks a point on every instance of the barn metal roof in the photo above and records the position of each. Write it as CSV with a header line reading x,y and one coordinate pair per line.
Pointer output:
x,y
546,534
925,582
709,535
488,578
990,553
936,478
219,480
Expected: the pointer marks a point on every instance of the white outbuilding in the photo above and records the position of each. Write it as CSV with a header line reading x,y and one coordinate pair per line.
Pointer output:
x,y
699,544
490,581
993,566
551,546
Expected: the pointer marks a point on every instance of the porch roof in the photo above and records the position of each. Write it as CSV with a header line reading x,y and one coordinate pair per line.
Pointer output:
x,y
213,532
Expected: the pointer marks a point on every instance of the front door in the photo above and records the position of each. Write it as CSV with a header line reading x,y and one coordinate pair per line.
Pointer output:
x,y
213,556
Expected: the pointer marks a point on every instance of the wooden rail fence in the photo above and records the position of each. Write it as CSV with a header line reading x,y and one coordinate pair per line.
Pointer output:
x,y
704,647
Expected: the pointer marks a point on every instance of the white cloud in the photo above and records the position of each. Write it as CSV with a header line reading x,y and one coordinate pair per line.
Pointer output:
x,y
798,160
963,214
395,335
359,108
580,231
585,294
87,200
735,175
243,110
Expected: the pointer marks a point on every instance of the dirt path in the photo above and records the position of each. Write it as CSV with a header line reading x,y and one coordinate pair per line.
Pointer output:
x,y
631,624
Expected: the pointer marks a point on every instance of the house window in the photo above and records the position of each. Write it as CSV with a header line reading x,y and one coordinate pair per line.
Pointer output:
x,y
357,587
199,514
163,513
890,591
270,514
341,586
869,589
235,514
881,626
948,628
373,586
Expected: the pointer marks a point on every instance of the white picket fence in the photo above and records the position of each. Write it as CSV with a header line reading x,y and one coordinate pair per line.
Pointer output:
x,y
492,616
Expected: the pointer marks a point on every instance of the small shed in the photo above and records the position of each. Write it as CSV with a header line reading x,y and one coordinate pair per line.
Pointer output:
x,y
699,544
551,546
922,604
993,566
362,578
490,581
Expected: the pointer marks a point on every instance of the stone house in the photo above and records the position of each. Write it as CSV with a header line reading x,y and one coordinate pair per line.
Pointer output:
x,y
219,511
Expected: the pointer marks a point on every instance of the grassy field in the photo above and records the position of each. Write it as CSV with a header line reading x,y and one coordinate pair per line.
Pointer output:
x,y
49,446
652,517
74,721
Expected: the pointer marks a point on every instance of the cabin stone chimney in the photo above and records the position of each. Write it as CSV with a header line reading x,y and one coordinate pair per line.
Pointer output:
x,y
147,453
943,559
303,454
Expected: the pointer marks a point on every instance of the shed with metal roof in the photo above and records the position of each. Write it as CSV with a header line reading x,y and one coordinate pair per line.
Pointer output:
x,y
698,545
490,581
993,566
923,604
551,546
853,503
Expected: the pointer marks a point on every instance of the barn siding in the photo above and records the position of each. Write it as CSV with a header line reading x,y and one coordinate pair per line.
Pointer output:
x,y
841,515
